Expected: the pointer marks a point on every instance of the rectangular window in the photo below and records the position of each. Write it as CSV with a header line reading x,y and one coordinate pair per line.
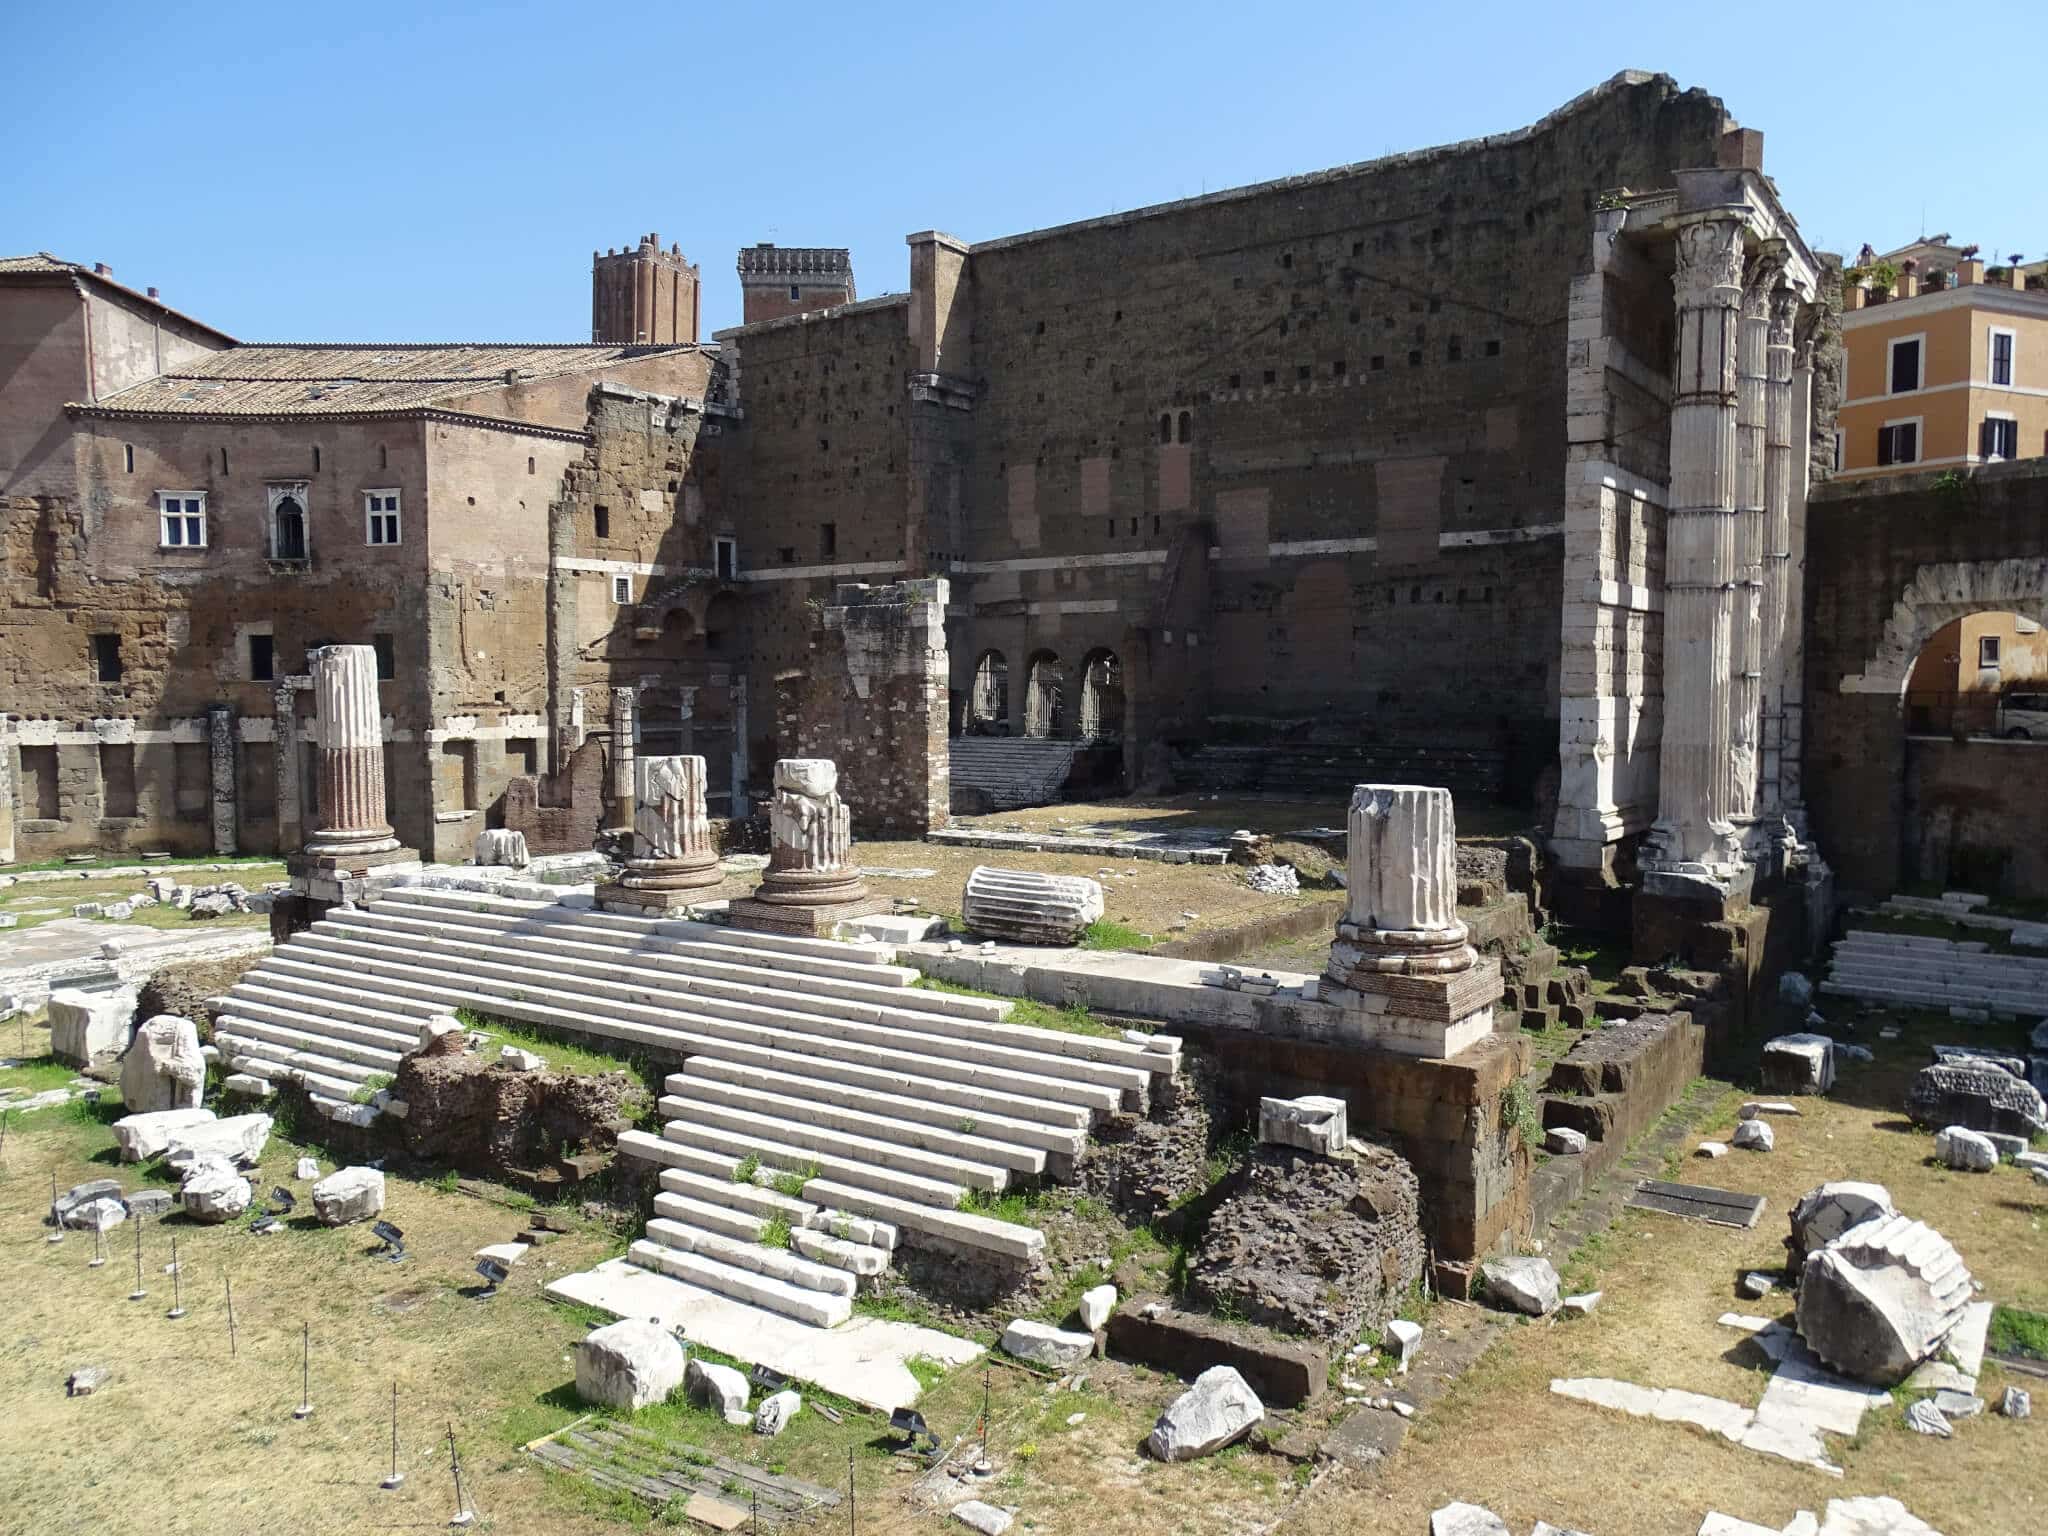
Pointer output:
x,y
1899,443
601,521
1838,453
1999,438
128,454
2002,343
106,658
793,292
725,555
1906,367
262,658
828,539
39,793
1987,651
622,589
380,510
181,519
387,657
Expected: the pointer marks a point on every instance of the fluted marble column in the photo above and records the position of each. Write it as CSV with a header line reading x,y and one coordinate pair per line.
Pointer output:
x,y
811,837
1752,374
1777,544
348,730
1401,914
672,847
1695,793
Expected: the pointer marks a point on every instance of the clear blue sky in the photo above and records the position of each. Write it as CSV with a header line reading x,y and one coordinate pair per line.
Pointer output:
x,y
392,172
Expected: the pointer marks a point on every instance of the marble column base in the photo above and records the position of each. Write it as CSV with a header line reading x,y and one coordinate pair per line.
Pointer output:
x,y
814,921
1432,1016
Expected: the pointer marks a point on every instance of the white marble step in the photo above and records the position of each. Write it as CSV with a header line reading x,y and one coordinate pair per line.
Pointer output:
x,y
800,1107
678,1026
910,1103
1043,1053
708,1171
285,1017
854,1258
824,957
315,1074
745,1225
818,1308
789,1157
963,1228
784,1264
338,995
748,1198
563,937
703,1104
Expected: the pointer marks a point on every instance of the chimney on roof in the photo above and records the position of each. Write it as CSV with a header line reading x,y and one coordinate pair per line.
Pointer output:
x,y
152,293
1969,272
101,269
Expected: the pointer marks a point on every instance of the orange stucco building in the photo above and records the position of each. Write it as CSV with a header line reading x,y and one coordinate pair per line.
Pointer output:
x,y
1944,376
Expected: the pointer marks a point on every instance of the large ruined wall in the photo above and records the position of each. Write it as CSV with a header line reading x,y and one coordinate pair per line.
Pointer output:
x,y
1346,391
871,696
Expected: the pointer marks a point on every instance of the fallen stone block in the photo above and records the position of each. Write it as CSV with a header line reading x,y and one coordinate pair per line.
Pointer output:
x,y
1926,1419
1466,1520
86,1027
142,1137
718,1387
87,1380
502,847
1755,1135
776,1411
1042,1344
239,1138
348,1195
1965,1150
1528,1285
985,1518
308,1168
1881,1298
1978,1098
1711,1149
1024,907
2016,1404
1218,1410
79,1196
1564,1141
1953,1405
1756,1284
213,1191
1755,1107
519,1061
1799,1064
101,1215
1826,1212
1977,1055
1582,1305
1095,1307
1401,1340
246,1085
628,1364
1313,1123
162,1067
151,1203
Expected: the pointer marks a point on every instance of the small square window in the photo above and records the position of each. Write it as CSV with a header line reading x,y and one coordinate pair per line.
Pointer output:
x,y
828,540
622,589
106,658
1270,376
1234,378
794,293
1414,359
181,520
380,514
1987,651
1378,362
1302,371
1337,369
787,554
1493,348
1905,365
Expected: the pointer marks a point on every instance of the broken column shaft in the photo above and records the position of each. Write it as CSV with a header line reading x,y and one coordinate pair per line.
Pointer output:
x,y
349,731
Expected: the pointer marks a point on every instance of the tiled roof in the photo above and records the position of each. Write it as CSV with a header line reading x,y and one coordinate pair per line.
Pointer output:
x,y
267,380
42,261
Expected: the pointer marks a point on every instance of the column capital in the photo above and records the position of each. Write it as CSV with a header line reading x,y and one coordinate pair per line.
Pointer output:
x,y
1709,268
1785,305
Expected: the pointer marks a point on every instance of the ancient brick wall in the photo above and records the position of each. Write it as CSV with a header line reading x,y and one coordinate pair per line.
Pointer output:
x,y
871,696
1889,562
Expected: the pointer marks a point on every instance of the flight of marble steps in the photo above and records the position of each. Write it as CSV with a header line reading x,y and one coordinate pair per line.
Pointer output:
x,y
1911,971
809,1064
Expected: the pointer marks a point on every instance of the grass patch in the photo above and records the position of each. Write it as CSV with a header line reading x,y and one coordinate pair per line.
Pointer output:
x,y
792,1182
37,1075
1518,1109
1105,934
2018,1332
370,1087
929,1372
1073,1019
776,1233
744,1171
564,1052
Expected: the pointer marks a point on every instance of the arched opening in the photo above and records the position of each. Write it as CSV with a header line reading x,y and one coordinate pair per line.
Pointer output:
x,y
988,704
1186,426
1982,674
287,529
1102,696
1166,428
1976,711
722,622
1043,712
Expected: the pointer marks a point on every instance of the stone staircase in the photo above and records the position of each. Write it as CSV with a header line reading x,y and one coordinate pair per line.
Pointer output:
x,y
1910,971
1006,773
825,1110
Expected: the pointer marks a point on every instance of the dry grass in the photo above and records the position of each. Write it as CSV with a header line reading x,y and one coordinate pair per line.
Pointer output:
x,y
46,901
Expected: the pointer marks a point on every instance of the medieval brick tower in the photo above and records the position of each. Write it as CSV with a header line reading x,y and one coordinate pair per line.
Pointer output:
x,y
778,280
644,296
